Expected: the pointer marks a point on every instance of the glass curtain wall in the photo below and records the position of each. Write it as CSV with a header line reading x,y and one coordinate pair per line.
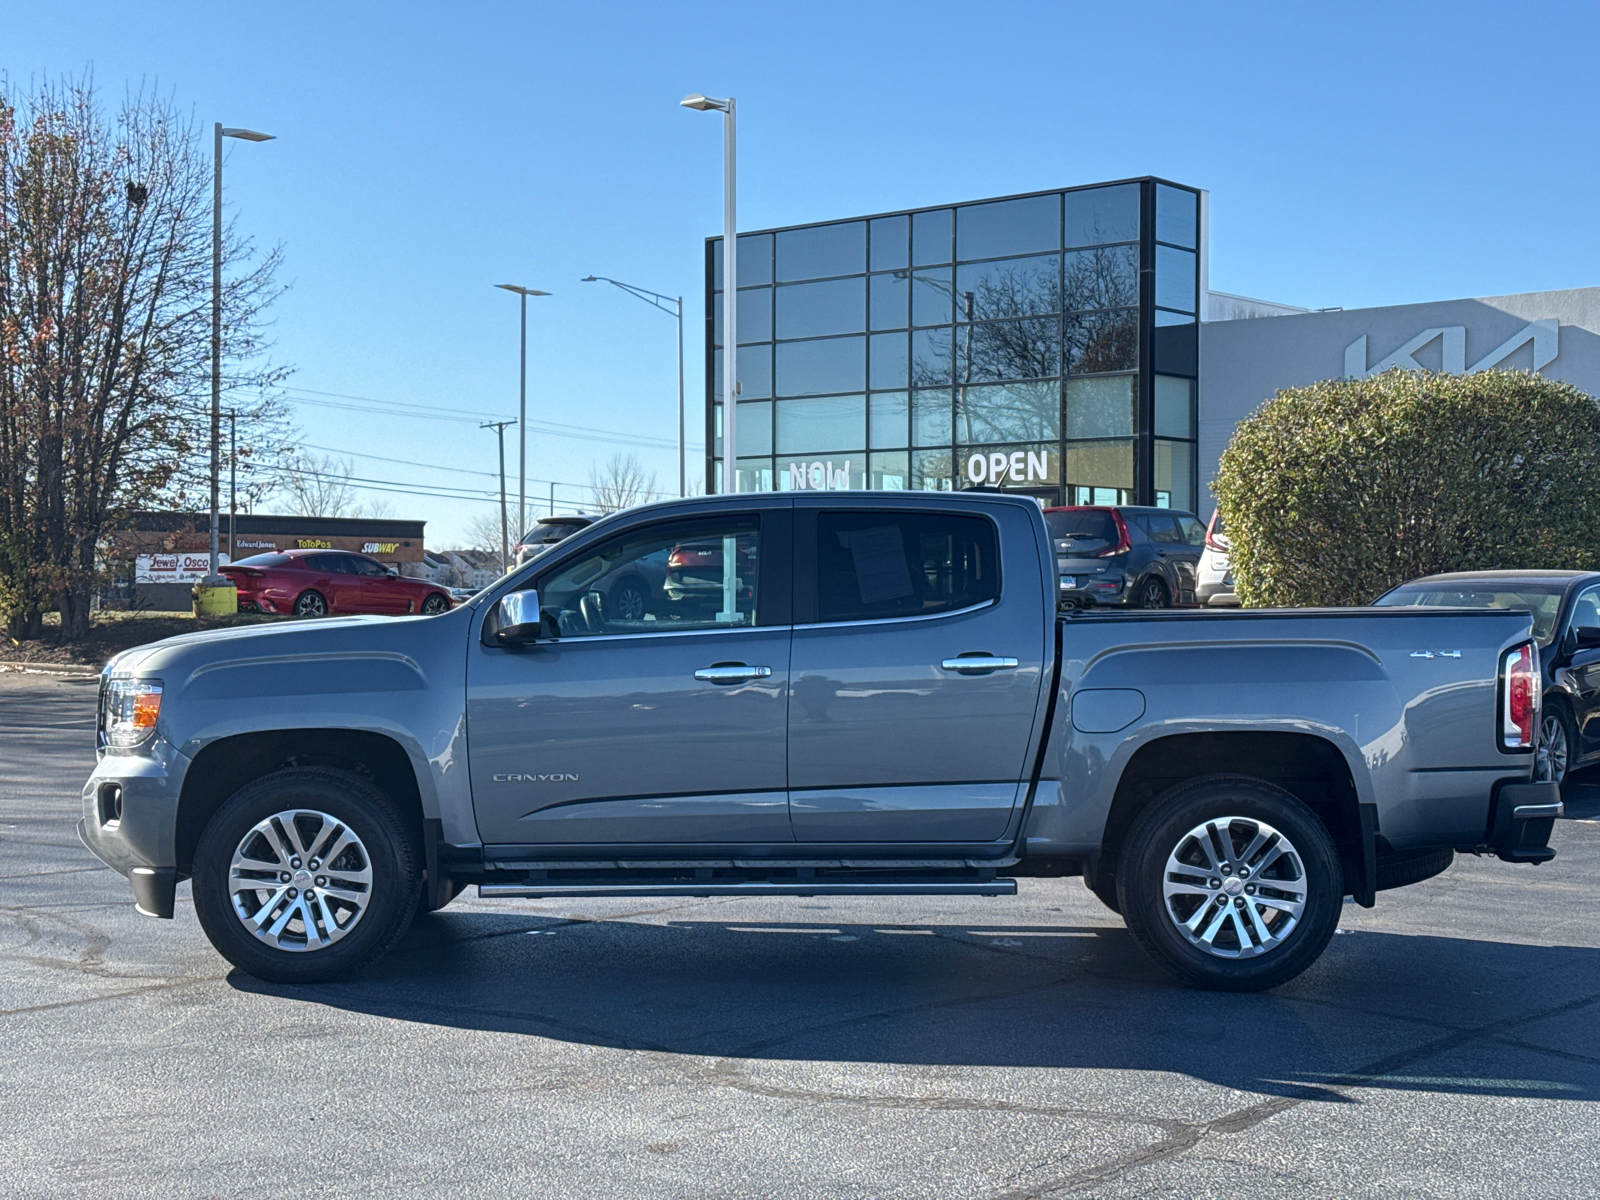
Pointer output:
x,y
998,343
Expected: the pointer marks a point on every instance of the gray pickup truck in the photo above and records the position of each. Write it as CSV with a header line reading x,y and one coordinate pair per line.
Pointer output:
x,y
843,694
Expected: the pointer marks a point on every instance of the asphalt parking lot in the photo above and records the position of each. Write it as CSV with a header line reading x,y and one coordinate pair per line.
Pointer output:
x,y
1448,1044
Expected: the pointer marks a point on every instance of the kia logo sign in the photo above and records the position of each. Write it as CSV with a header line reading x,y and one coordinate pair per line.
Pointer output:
x,y
1019,466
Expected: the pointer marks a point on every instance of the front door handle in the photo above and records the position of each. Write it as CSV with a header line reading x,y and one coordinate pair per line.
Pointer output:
x,y
731,673
979,664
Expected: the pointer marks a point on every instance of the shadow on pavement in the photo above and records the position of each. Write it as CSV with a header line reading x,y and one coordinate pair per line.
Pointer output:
x,y
1379,1010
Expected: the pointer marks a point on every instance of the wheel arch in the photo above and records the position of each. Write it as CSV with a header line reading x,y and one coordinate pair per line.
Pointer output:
x,y
224,766
1311,768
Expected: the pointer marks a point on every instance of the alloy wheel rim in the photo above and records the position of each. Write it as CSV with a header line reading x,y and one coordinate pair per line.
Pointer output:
x,y
1234,887
1152,595
630,602
309,606
300,880
433,606
1552,750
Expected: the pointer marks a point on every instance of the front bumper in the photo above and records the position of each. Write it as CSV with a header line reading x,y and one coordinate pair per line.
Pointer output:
x,y
137,837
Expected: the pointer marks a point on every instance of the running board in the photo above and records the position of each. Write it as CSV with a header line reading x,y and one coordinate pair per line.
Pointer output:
x,y
535,891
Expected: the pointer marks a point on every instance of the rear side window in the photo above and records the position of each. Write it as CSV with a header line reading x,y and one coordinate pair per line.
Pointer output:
x,y
1161,528
1193,532
876,565
333,564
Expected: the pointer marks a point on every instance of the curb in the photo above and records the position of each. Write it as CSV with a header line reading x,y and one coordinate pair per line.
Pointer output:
x,y
28,668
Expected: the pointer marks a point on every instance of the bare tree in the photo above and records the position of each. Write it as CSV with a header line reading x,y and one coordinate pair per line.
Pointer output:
x,y
483,534
317,485
621,483
105,323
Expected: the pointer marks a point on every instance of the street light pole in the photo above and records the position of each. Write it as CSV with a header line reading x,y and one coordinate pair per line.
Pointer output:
x,y
657,300
499,428
522,410
218,133
233,482
730,279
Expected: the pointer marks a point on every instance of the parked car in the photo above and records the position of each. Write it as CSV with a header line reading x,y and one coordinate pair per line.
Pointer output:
x,y
546,532
895,706
1215,573
1566,624
1124,556
694,571
320,583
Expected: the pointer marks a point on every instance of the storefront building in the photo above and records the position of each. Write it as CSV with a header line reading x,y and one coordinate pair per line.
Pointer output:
x,y
1245,360
1045,343
162,555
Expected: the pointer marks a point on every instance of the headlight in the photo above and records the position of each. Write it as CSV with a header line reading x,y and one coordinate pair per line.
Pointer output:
x,y
128,710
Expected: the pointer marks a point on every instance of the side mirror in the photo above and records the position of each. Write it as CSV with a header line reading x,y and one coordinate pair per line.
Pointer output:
x,y
514,621
1587,636
393,572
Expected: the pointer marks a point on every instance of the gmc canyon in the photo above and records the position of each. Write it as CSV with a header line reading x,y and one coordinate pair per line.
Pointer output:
x,y
845,693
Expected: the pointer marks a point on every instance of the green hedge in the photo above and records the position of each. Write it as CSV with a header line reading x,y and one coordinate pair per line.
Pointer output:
x,y
1334,493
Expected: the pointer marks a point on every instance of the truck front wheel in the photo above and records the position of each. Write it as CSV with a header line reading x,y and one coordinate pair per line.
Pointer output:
x,y
305,875
1230,883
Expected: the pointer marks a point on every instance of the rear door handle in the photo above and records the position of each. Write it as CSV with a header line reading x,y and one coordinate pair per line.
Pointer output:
x,y
979,664
731,673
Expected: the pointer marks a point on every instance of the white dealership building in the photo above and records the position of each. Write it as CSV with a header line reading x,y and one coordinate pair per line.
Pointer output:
x,y
1249,349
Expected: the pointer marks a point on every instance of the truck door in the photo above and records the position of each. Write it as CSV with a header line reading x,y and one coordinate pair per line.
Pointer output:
x,y
664,723
915,671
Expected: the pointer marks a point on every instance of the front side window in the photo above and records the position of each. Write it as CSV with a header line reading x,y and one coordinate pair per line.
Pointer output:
x,y
685,575
366,566
1586,611
877,565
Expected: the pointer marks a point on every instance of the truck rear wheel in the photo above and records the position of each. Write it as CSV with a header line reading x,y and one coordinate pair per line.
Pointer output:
x,y
305,875
1230,883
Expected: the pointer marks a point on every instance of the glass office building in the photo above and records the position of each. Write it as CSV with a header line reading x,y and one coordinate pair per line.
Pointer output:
x,y
1046,343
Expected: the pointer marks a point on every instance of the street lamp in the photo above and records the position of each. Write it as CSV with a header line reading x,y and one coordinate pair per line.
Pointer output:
x,y
522,411
730,281
247,135
657,300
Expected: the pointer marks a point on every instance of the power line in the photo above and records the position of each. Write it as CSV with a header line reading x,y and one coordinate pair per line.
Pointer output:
x,y
434,412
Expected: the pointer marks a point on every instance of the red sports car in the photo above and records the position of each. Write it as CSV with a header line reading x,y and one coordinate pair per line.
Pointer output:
x,y
316,583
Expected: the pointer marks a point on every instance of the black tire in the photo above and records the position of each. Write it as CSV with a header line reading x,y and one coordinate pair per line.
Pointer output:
x,y
1152,593
311,603
1411,866
628,599
1556,723
435,604
1164,829
391,854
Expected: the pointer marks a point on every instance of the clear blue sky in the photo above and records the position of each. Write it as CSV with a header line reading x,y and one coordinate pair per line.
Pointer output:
x,y
1356,154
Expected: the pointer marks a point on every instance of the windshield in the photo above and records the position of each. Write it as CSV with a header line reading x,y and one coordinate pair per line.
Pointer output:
x,y
1081,530
1543,602
263,560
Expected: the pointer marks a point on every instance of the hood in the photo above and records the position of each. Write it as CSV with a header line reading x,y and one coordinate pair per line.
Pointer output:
x,y
332,634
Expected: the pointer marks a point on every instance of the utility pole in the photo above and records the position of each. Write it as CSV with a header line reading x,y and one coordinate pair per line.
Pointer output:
x,y
499,428
233,480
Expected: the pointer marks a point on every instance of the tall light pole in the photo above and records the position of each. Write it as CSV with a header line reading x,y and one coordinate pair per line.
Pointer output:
x,y
499,428
657,300
730,287
248,135
522,411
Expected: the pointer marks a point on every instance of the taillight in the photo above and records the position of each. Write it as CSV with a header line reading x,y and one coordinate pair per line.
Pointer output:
x,y
1123,543
1520,715
1212,543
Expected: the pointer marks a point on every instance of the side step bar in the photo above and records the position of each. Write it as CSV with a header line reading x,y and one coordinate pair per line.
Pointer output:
x,y
534,891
